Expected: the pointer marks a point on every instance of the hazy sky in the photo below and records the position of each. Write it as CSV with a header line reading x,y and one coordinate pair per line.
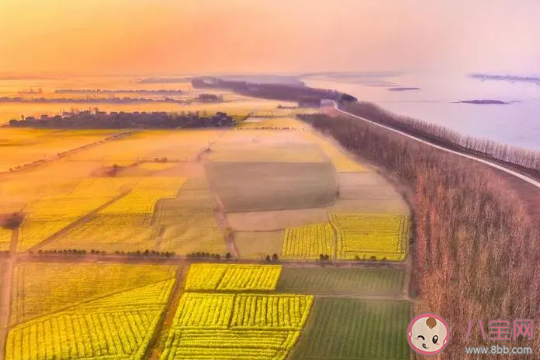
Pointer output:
x,y
197,36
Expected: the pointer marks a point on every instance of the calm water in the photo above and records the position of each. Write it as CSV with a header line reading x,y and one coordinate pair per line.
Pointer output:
x,y
516,124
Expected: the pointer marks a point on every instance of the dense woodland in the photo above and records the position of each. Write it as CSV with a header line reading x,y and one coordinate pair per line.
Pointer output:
x,y
121,120
476,249
529,160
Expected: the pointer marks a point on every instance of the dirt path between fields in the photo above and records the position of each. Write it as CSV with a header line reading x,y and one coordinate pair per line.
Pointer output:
x,y
28,166
223,223
5,304
5,292
162,328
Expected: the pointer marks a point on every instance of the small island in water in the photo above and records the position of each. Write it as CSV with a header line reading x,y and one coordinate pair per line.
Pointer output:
x,y
400,88
483,102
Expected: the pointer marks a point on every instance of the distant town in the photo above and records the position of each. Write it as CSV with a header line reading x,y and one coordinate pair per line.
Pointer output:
x,y
121,91
96,119
112,100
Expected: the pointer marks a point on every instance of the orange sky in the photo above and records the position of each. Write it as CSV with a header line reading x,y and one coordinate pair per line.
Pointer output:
x,y
201,36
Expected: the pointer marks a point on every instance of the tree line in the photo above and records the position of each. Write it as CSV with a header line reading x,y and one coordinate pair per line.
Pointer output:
x,y
527,159
476,245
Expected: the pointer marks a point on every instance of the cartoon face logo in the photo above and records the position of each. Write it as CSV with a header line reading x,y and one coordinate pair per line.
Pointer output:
x,y
428,334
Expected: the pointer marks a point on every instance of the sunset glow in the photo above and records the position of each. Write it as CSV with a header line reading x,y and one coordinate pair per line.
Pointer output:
x,y
194,36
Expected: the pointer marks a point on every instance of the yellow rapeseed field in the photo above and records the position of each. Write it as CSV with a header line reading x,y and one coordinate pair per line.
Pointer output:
x,y
138,201
43,288
110,232
235,325
383,236
5,239
116,327
308,242
104,186
47,216
29,145
233,277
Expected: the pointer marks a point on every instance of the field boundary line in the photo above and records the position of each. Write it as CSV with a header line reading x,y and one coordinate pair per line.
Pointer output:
x,y
5,303
223,223
77,222
159,202
67,153
66,308
169,308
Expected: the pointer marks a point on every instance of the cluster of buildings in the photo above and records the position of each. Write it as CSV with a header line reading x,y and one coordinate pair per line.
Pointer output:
x,y
118,120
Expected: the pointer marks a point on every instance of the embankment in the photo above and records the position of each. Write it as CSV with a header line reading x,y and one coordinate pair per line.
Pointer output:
x,y
522,160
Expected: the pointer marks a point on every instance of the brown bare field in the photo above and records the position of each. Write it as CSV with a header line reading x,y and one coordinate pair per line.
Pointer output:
x,y
258,244
392,206
276,220
256,152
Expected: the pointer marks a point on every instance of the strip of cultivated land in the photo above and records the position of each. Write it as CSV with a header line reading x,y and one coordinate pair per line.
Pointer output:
x,y
355,329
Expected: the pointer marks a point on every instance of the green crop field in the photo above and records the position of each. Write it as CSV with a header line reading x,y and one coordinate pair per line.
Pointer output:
x,y
355,329
272,186
341,281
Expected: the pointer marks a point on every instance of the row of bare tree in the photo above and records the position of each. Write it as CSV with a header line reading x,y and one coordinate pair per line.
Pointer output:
x,y
528,159
476,249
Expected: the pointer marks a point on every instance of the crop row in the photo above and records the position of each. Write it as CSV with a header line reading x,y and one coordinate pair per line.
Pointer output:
x,y
368,236
118,326
43,288
236,326
247,311
233,277
308,242
84,335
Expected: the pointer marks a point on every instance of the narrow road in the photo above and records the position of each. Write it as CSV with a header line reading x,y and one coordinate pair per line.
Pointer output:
x,y
483,161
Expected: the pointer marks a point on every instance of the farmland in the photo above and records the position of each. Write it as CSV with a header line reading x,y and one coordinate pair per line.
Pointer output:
x,y
97,311
29,145
270,190
328,281
355,329
260,186
275,123
5,238
308,242
232,277
236,325
36,291
368,236
111,328
48,216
